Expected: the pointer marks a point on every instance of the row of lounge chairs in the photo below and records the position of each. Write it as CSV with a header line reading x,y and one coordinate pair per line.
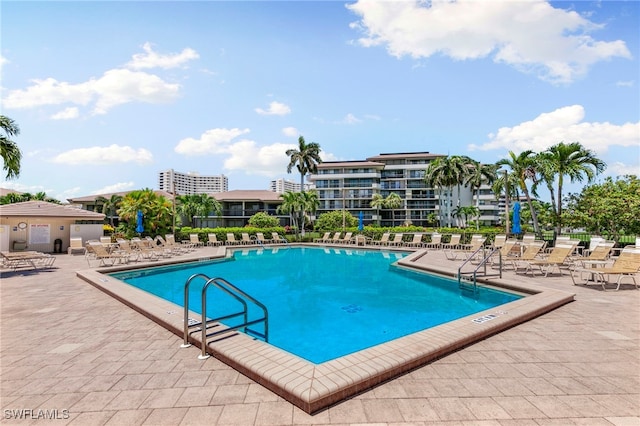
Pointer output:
x,y
26,259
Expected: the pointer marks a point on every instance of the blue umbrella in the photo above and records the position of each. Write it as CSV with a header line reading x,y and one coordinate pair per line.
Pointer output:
x,y
515,228
139,225
361,221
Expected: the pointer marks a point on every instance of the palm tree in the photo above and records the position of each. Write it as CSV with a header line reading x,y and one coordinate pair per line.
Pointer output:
x,y
291,205
445,172
156,210
310,203
306,159
9,150
393,201
466,212
477,175
523,168
572,160
110,206
192,205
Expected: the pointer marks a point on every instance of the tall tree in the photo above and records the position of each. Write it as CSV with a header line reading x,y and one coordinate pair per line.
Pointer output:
x,y
523,168
478,175
110,205
156,210
570,160
9,150
192,205
306,159
291,205
445,173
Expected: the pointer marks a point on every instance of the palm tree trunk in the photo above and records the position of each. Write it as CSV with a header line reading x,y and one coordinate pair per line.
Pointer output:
x,y
559,210
534,215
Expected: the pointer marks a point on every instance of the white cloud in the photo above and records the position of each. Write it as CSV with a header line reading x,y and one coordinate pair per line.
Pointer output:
x,y
116,187
275,108
620,169
531,36
115,87
562,125
290,132
66,114
106,156
151,59
213,141
267,160
351,119
629,83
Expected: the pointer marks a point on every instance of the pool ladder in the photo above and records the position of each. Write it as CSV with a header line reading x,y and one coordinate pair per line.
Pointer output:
x,y
468,280
205,324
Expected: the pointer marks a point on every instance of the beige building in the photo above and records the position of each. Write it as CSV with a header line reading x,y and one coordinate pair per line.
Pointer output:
x,y
46,227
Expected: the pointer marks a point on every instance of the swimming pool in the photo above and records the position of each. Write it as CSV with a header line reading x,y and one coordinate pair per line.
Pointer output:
x,y
312,387
324,303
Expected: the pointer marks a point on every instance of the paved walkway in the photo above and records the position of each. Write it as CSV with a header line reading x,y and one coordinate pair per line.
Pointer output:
x,y
72,352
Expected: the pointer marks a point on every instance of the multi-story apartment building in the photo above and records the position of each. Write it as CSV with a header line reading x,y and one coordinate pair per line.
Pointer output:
x,y
282,185
192,183
352,184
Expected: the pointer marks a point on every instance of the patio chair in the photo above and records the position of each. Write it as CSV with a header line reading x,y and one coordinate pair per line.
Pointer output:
x,y
276,238
557,258
212,240
33,259
261,239
322,239
466,252
507,251
453,243
532,251
625,265
415,242
384,239
231,240
499,240
124,246
106,257
436,241
335,238
397,240
146,250
246,239
195,240
346,239
76,246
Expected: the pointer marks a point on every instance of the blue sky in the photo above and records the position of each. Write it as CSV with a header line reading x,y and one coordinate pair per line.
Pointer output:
x,y
108,94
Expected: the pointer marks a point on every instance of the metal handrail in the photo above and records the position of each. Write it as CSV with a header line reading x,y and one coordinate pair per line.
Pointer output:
x,y
483,264
205,324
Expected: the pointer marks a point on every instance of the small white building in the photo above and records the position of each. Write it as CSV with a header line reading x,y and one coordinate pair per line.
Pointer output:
x,y
46,227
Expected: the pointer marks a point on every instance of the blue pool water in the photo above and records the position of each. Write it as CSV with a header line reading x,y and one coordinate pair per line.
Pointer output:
x,y
323,303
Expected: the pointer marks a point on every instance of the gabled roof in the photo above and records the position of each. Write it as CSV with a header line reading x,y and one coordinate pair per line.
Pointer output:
x,y
45,209
247,195
5,191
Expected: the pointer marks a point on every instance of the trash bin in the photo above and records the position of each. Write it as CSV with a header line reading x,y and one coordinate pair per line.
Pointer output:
x,y
57,246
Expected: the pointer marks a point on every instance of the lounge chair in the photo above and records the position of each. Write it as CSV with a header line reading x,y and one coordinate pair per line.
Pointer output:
x,y
76,246
466,252
170,240
261,239
212,240
246,239
146,250
626,265
397,240
346,239
476,239
106,257
33,259
335,238
276,238
415,242
171,248
133,252
532,251
384,239
231,240
453,243
557,258
195,240
507,252
499,240
322,239
436,241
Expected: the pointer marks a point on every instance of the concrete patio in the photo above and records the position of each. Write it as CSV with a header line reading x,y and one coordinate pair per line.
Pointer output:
x,y
72,352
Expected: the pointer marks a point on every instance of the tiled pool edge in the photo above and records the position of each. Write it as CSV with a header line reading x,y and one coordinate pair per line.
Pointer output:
x,y
313,387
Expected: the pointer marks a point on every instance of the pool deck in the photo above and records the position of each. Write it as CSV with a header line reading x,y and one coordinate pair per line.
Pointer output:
x,y
65,345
